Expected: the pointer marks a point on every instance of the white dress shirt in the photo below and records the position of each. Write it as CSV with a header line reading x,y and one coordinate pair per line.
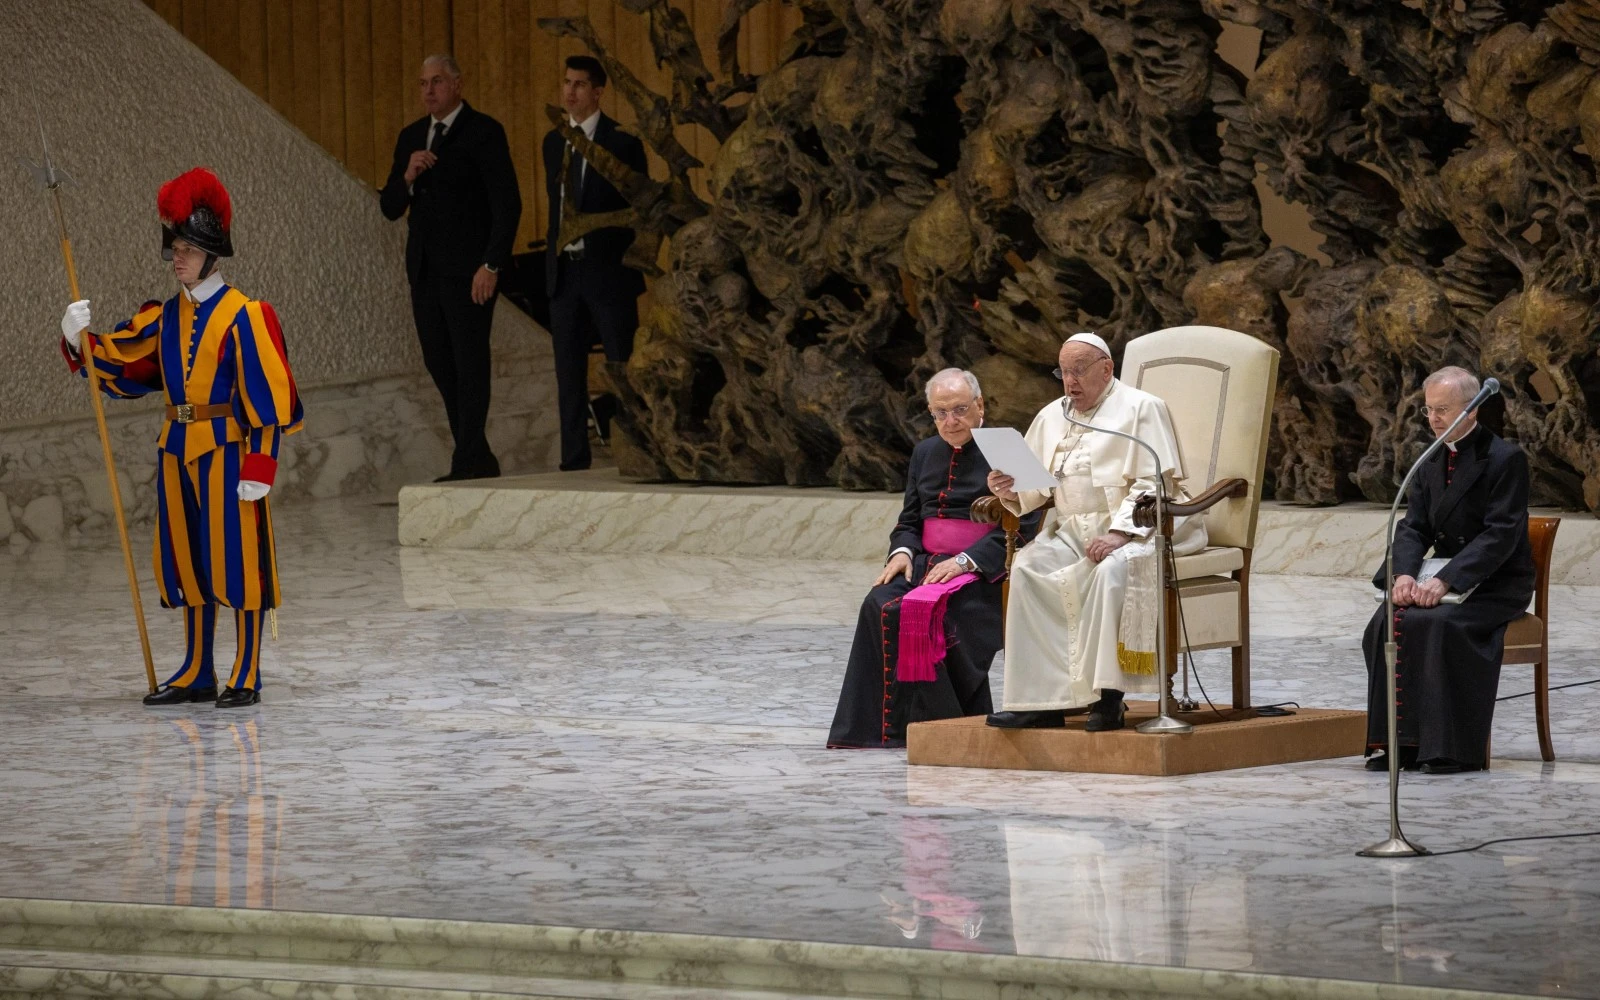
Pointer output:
x,y
588,125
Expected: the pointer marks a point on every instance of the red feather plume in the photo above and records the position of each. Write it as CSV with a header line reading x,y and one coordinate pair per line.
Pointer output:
x,y
189,191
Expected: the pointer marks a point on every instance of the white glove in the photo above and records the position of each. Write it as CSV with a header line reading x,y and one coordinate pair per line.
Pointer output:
x,y
249,489
74,321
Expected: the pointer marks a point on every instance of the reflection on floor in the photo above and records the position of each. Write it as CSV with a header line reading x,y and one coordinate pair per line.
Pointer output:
x,y
600,741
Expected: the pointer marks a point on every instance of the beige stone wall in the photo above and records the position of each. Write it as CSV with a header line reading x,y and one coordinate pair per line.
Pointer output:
x,y
129,103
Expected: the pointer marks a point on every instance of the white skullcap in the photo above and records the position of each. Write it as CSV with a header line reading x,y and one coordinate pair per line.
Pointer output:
x,y
1093,340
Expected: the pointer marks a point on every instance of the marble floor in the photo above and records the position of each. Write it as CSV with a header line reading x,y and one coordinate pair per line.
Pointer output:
x,y
615,742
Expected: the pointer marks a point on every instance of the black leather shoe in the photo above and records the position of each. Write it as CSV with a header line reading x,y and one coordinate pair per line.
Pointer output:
x,y
237,698
1444,765
1048,719
1104,718
173,694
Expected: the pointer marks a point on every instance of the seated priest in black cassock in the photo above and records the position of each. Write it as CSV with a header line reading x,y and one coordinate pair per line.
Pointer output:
x,y
1469,504
930,627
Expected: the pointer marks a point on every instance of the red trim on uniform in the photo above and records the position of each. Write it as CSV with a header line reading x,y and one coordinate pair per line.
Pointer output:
x,y
888,668
73,361
258,468
949,480
275,331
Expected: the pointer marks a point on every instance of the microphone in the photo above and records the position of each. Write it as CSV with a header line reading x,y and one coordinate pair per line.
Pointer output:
x,y
1398,845
1491,387
1163,723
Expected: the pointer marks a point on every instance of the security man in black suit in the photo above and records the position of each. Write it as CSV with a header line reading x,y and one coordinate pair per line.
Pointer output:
x,y
1468,504
452,170
592,294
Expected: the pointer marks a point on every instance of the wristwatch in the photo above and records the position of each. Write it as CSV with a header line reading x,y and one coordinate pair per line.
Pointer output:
x,y
965,562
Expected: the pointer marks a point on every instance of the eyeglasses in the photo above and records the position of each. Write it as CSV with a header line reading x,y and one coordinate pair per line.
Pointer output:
x,y
1077,373
1442,411
940,416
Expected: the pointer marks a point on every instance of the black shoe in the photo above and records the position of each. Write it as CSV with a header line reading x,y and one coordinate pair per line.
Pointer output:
x,y
1106,716
1444,765
173,694
238,698
1048,719
575,467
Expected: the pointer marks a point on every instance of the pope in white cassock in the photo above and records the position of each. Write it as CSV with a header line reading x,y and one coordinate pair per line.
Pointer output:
x,y
1081,625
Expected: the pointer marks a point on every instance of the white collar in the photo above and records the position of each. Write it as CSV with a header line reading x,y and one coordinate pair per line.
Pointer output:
x,y
588,125
449,120
1453,445
205,290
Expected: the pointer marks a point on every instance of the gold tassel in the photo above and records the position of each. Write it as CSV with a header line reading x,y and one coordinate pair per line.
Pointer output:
x,y
272,616
1132,661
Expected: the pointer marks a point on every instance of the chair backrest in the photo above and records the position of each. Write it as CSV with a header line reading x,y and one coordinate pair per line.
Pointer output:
x,y
1542,537
1219,386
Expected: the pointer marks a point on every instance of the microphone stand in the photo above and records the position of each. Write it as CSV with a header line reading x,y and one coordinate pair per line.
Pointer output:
x,y
1397,846
1163,723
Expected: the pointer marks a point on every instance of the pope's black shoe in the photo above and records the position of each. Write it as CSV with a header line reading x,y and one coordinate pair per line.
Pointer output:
x,y
1049,719
1106,716
237,698
173,694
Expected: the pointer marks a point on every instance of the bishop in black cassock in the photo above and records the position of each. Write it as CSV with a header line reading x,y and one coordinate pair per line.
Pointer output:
x,y
1468,504
942,482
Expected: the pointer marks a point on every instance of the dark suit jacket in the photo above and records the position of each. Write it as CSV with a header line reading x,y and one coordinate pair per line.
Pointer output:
x,y
1479,523
465,208
604,247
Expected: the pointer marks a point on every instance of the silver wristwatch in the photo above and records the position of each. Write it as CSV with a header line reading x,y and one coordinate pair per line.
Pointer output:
x,y
966,562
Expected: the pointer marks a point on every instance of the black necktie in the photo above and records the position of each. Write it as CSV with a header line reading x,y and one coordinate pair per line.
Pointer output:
x,y
575,180
438,134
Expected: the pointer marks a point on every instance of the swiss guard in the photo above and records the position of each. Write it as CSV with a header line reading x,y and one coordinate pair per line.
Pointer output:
x,y
218,358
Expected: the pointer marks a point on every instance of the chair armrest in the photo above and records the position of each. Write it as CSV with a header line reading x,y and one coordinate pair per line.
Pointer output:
x,y
1144,509
989,510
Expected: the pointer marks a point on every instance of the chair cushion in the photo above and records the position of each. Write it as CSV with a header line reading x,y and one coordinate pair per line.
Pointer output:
x,y
1524,639
1214,561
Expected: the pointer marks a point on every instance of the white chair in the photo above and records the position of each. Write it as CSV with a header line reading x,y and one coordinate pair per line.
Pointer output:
x,y
1219,386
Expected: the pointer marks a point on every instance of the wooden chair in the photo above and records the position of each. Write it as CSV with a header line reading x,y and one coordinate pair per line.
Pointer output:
x,y
1219,386
1528,638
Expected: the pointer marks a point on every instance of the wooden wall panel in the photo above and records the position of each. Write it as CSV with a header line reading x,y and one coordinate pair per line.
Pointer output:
x,y
345,71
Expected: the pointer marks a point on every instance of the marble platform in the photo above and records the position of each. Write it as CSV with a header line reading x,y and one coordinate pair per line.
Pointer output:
x,y
630,746
598,511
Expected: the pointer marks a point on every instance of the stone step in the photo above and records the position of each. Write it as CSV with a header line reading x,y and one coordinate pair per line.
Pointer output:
x,y
51,948
598,512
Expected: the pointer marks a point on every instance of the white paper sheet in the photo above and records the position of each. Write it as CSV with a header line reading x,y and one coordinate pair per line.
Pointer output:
x,y
1007,451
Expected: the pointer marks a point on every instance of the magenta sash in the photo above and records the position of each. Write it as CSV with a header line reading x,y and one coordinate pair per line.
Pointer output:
x,y
922,639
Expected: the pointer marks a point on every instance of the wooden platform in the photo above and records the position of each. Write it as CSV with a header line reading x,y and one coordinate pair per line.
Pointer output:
x,y
1239,739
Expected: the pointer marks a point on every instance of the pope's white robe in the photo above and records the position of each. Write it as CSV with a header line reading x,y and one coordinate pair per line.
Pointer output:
x,y
1066,620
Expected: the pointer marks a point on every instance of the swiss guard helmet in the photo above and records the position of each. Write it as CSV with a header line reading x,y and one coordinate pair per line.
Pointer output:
x,y
195,208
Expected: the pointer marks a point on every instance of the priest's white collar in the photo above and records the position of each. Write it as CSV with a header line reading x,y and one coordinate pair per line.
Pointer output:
x,y
205,290
1453,445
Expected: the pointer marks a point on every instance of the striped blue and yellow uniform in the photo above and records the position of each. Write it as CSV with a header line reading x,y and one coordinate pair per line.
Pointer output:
x,y
210,547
